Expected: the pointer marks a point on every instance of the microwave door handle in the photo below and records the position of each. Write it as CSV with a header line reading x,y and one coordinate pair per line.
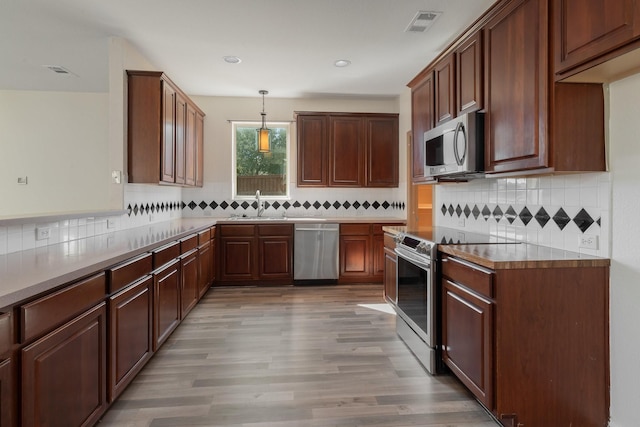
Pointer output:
x,y
459,128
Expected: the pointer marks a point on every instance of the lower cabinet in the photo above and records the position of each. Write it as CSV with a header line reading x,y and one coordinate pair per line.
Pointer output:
x,y
190,285
7,393
250,253
130,334
390,276
166,302
64,373
532,344
362,256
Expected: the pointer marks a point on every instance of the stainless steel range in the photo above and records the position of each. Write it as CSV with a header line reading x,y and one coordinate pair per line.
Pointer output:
x,y
416,303
418,295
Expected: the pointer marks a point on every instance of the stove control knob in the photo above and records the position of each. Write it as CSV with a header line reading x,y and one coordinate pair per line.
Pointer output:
x,y
423,248
398,238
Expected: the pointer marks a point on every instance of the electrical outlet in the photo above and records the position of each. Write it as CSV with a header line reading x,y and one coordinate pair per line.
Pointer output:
x,y
151,218
111,223
43,233
588,241
461,222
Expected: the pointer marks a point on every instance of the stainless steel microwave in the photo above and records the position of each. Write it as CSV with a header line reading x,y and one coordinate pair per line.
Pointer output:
x,y
455,148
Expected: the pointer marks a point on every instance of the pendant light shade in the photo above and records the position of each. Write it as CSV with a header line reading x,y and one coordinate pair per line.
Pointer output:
x,y
264,134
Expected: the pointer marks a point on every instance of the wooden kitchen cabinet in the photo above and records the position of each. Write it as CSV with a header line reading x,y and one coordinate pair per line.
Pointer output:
x,y
390,270
64,373
166,301
7,367
189,270
587,30
362,256
262,252
347,149
467,326
539,126
523,340
199,135
445,93
422,119
164,131
469,74
205,261
130,314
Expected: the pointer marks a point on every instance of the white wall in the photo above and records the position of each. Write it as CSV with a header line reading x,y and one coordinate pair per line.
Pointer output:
x,y
624,133
59,141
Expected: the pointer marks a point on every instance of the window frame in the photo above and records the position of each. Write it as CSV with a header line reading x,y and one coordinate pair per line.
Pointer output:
x,y
234,151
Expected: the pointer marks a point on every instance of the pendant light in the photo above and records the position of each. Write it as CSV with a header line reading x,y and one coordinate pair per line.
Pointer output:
x,y
264,134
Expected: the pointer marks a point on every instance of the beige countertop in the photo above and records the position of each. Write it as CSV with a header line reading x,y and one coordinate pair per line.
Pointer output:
x,y
498,253
30,272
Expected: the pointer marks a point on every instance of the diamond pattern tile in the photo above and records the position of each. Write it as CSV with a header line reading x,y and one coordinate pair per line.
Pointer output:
x,y
443,209
561,219
542,217
510,214
525,216
336,204
307,205
366,204
451,210
325,205
375,204
475,211
467,211
497,213
486,213
458,211
346,205
583,220
192,205
356,204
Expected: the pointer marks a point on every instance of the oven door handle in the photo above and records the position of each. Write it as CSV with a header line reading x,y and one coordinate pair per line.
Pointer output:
x,y
413,259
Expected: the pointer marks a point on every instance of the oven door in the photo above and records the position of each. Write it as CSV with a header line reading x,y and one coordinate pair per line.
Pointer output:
x,y
416,296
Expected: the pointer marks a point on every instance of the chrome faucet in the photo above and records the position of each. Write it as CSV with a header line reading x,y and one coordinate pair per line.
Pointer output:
x,y
260,203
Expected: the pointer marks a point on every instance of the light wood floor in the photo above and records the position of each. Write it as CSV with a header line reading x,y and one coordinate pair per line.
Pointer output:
x,y
291,357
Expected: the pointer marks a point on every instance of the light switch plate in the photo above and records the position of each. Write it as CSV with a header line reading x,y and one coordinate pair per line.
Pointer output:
x,y
43,233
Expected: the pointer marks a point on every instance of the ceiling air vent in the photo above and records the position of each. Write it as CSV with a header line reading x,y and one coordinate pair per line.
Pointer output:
x,y
59,70
422,21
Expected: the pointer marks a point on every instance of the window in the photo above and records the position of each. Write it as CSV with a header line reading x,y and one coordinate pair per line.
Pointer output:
x,y
267,172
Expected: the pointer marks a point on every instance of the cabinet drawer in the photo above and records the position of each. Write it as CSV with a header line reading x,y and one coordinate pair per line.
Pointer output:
x,y
128,272
469,275
188,243
204,236
389,242
6,333
166,253
275,230
355,229
48,312
237,230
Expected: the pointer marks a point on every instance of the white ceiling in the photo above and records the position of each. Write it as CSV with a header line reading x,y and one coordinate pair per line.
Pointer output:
x,y
287,47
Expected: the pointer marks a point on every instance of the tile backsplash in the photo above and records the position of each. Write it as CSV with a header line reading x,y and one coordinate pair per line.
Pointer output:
x,y
555,211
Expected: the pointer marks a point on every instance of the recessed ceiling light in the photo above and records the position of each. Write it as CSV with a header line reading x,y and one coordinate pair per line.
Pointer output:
x,y
342,63
232,59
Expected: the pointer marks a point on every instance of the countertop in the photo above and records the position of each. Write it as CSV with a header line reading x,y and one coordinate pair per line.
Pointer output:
x,y
30,272
499,253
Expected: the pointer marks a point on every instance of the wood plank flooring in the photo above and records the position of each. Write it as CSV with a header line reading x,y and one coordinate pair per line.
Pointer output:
x,y
306,356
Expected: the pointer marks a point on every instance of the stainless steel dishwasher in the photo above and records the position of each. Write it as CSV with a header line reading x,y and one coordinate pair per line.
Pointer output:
x,y
316,252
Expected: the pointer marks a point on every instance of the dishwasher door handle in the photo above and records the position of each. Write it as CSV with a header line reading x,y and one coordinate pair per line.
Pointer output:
x,y
318,229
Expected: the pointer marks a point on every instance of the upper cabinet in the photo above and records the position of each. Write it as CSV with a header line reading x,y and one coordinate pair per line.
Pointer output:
x,y
165,132
585,31
469,67
422,119
347,149
445,98
504,65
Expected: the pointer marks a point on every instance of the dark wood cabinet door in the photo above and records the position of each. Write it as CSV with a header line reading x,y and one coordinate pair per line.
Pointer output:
x,y
190,148
237,259
377,257
422,119
346,145
313,167
166,302
276,258
199,129
189,283
445,94
205,266
516,88
7,393
130,334
355,256
64,373
467,339
390,276
181,139
168,158
469,83
382,151
587,29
